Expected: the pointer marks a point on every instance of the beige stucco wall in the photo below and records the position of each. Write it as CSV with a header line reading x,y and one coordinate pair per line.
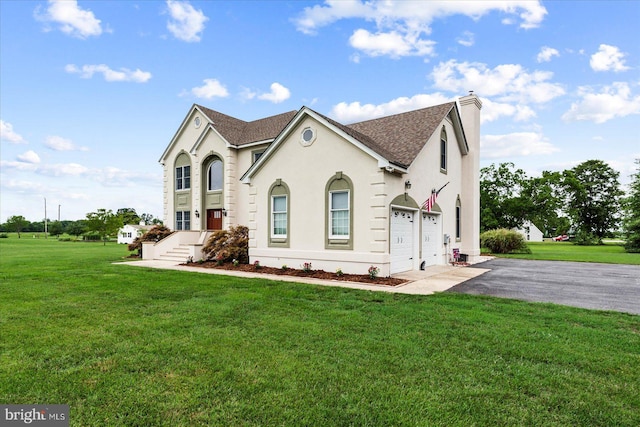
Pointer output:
x,y
306,171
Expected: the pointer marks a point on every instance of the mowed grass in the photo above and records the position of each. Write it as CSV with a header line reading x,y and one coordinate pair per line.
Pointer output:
x,y
610,253
133,346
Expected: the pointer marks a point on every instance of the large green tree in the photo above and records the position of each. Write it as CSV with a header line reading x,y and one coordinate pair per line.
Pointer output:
x,y
545,207
104,222
593,197
501,202
16,223
76,228
128,216
632,213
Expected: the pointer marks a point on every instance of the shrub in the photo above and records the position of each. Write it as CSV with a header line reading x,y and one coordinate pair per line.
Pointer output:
x,y
503,241
373,272
633,237
154,234
4,236
225,246
584,238
306,267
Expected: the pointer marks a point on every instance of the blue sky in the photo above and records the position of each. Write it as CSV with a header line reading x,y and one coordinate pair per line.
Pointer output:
x,y
93,91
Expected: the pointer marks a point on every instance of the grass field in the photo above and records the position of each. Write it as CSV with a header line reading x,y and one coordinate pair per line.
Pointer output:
x,y
141,347
567,251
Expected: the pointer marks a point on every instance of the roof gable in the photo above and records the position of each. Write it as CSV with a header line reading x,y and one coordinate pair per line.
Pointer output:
x,y
404,135
238,132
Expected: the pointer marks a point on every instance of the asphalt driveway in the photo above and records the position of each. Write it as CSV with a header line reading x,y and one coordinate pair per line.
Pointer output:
x,y
586,285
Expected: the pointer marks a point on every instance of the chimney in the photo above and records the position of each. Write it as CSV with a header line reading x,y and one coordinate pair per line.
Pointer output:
x,y
470,107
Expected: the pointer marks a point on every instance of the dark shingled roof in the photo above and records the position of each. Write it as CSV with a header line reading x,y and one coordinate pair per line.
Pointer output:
x,y
405,134
238,132
398,138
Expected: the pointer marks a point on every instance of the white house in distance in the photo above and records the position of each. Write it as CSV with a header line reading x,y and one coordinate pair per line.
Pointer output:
x,y
530,232
311,189
128,233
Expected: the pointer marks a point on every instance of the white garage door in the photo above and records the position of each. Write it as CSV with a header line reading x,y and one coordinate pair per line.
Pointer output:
x,y
430,239
401,240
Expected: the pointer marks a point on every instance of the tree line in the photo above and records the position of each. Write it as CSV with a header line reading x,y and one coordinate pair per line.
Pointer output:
x,y
586,201
98,225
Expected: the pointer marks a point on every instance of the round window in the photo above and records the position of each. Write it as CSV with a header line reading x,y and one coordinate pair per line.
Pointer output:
x,y
308,136
196,122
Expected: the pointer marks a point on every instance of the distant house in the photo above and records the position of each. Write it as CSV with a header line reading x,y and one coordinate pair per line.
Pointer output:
x,y
530,232
313,190
129,232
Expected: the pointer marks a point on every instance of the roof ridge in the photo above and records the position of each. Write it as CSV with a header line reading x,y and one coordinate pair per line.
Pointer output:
x,y
417,110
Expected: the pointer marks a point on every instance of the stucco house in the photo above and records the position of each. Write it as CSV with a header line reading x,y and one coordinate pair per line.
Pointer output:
x,y
311,189
128,233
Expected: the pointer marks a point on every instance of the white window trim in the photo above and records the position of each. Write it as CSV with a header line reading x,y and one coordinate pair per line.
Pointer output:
x,y
209,189
331,211
182,178
273,220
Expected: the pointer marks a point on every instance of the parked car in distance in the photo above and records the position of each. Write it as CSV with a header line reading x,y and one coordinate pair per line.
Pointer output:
x,y
562,238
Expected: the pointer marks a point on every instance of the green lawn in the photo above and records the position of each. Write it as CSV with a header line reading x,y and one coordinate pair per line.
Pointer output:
x,y
139,347
566,251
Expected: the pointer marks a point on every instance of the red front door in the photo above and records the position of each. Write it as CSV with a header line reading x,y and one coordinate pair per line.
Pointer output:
x,y
214,219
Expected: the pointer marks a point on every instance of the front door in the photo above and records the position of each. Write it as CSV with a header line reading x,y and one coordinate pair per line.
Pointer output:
x,y
214,219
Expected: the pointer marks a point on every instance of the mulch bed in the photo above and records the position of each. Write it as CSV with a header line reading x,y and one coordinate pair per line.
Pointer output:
x,y
315,274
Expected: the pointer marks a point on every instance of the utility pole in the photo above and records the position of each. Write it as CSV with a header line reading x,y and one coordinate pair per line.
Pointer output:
x,y
45,217
58,213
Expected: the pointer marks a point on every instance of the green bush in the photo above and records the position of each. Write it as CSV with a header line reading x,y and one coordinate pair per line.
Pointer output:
x,y
92,236
226,246
155,234
584,238
503,241
632,243
4,236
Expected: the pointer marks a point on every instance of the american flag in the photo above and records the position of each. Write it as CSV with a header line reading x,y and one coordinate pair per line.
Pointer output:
x,y
428,204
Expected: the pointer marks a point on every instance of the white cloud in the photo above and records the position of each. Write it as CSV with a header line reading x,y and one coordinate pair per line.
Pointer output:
x,y
518,144
72,20
492,111
546,53
19,165
608,58
467,39
411,15
355,112
393,44
122,75
212,88
58,143
278,94
611,102
186,23
63,169
400,26
29,157
509,82
8,134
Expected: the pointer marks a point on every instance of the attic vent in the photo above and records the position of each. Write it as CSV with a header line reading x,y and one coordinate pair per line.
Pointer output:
x,y
197,122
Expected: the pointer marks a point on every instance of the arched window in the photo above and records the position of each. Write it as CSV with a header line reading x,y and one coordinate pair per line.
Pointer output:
x,y
279,206
443,150
458,219
339,212
214,176
183,172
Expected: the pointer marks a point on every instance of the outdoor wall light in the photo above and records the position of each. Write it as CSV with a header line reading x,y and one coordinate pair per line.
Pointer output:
x,y
407,185
224,212
197,214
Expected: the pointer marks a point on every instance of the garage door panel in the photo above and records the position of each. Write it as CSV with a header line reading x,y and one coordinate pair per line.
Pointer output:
x,y
402,231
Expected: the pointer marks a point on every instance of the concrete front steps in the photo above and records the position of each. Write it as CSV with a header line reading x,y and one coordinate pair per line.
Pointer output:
x,y
178,254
